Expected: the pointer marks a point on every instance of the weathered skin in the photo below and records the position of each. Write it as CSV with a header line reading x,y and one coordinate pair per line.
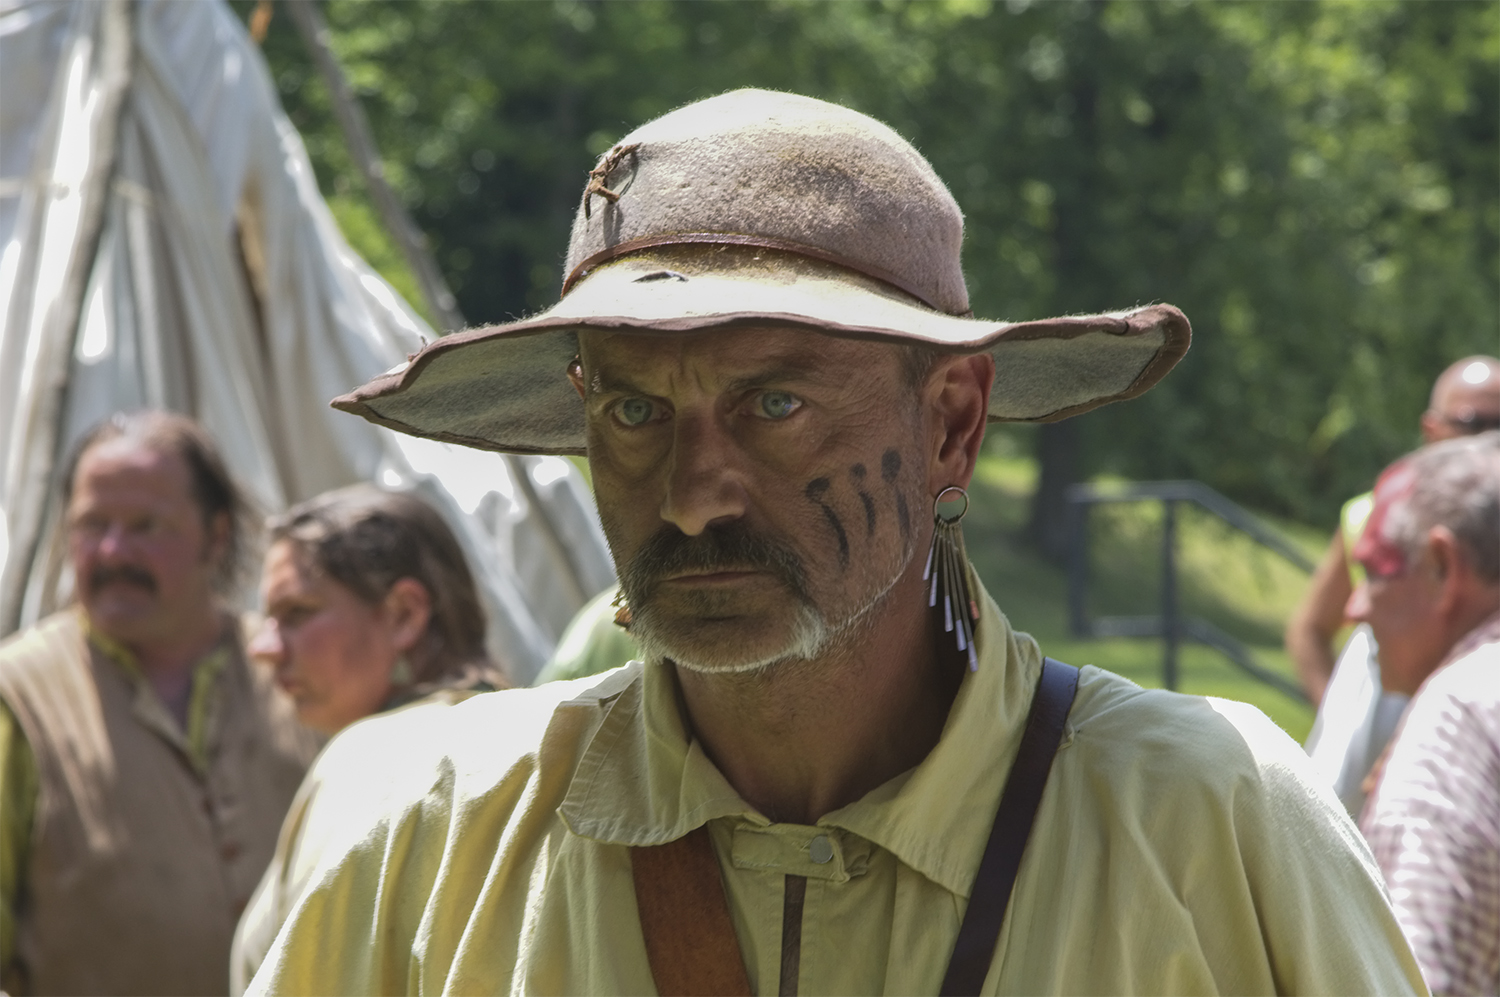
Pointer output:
x,y
772,431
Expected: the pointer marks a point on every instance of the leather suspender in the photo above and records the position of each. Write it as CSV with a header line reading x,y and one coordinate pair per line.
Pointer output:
x,y
990,894
690,940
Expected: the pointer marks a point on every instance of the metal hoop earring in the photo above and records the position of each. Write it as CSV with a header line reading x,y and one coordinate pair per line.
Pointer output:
x,y
948,571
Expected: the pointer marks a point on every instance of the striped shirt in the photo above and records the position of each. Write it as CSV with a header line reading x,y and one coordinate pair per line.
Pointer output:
x,y
1434,822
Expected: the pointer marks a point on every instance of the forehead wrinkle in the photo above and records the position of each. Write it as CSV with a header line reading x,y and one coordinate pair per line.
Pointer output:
x,y
723,361
781,373
612,370
601,383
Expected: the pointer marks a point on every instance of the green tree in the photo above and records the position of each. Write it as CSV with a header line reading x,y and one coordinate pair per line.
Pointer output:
x,y
1314,184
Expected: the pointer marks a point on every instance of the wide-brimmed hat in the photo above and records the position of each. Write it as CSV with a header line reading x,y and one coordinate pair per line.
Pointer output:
x,y
756,208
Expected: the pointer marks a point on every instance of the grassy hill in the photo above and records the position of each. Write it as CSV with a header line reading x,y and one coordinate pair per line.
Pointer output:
x,y
1223,577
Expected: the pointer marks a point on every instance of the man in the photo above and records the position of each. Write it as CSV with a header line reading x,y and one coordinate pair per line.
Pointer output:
x,y
1431,593
144,768
767,327
1465,400
1355,717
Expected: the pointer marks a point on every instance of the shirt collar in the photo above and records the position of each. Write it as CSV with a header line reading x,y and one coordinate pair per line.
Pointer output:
x,y
196,737
642,781
204,669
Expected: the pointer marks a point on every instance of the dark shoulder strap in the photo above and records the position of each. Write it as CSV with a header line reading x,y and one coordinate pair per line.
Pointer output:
x,y
990,894
690,940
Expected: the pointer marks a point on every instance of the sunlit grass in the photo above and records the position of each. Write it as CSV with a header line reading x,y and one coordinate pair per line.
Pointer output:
x,y
1224,577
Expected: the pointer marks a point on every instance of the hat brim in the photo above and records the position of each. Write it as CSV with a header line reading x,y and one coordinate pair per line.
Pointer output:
x,y
504,387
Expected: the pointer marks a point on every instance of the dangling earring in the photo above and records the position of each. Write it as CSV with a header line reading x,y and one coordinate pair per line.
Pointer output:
x,y
948,568
401,671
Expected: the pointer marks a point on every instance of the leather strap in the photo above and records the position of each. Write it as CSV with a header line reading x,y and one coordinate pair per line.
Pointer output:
x,y
669,239
990,895
690,940
679,891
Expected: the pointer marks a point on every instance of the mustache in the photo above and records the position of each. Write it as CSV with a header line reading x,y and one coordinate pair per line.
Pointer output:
x,y
732,547
127,574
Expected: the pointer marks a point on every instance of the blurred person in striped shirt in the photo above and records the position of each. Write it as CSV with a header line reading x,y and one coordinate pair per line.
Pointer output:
x,y
1431,555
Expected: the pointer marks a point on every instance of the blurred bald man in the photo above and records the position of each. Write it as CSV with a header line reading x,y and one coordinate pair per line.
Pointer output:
x,y
1465,400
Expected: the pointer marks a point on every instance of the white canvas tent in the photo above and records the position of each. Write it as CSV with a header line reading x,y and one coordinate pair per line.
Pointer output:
x,y
163,243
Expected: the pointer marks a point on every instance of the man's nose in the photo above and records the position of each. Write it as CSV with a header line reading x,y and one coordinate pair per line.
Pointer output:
x,y
113,542
1358,606
704,481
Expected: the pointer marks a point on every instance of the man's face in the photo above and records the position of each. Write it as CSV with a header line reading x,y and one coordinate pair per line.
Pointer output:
x,y
761,488
143,558
1464,404
1401,607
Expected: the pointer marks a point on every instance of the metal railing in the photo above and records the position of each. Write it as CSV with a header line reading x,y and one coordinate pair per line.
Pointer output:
x,y
1171,625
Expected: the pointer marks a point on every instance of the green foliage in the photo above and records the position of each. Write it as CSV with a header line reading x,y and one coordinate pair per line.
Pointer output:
x,y
1313,183
1223,577
360,224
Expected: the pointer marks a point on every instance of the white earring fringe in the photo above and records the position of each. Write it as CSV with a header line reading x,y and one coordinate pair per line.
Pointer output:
x,y
948,569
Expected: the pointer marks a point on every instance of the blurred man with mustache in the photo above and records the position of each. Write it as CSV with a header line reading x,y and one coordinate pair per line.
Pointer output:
x,y
144,767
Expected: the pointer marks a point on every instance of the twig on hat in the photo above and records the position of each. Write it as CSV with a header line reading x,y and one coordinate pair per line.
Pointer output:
x,y
599,174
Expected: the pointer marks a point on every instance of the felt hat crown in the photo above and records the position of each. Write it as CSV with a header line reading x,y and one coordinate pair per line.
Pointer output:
x,y
760,208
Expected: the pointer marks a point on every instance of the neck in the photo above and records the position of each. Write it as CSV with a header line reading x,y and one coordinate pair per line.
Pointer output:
x,y
801,739
167,659
1472,614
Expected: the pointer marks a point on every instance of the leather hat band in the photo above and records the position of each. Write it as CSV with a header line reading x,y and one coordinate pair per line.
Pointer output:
x,y
732,239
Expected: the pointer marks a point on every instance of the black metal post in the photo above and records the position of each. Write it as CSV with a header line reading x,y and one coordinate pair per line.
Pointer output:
x,y
1170,628
1078,564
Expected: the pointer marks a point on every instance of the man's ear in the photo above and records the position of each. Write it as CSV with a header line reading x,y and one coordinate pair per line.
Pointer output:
x,y
957,394
1449,565
1432,426
575,374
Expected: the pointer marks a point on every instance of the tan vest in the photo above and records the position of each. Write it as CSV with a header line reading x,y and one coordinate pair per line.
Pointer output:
x,y
139,863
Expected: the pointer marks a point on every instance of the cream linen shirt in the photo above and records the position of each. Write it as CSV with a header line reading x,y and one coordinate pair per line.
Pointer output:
x,y
1181,847
319,814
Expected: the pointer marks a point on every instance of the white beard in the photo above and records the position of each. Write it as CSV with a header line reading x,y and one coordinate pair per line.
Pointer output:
x,y
812,637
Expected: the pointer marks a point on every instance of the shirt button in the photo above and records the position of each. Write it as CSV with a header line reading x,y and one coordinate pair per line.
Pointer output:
x,y
821,849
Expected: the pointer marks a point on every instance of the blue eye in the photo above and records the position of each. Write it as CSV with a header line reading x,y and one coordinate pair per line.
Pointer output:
x,y
778,404
635,411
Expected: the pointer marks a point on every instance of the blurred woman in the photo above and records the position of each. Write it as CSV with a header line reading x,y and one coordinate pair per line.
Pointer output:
x,y
369,606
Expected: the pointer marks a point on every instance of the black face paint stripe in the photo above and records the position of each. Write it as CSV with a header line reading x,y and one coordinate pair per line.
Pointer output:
x,y
857,472
890,465
815,489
